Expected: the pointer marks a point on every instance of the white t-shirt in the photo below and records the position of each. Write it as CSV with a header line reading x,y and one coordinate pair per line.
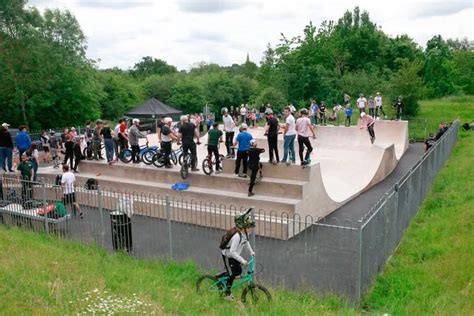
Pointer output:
x,y
243,111
235,246
228,123
68,179
302,126
378,101
290,120
361,102
35,154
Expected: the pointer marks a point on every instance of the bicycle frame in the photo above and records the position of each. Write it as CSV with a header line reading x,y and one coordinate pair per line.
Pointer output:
x,y
221,284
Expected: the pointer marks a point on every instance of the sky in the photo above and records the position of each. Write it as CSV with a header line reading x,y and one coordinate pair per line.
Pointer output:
x,y
184,32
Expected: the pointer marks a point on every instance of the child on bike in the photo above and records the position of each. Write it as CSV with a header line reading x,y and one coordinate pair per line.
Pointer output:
x,y
231,251
254,163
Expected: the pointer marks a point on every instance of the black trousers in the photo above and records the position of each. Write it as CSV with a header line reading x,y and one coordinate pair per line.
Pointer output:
x,y
190,147
348,121
69,155
253,175
167,152
372,112
77,160
378,110
399,112
273,147
302,142
242,156
233,269
135,153
370,129
229,138
213,149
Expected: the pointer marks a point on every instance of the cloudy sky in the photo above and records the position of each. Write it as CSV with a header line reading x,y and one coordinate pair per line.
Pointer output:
x,y
184,32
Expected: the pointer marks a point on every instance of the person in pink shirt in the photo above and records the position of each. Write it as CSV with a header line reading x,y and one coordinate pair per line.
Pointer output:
x,y
303,127
368,121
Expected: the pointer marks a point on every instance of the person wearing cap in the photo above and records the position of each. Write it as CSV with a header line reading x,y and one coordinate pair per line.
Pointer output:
x,y
361,102
254,163
272,128
368,121
167,137
187,132
6,148
243,142
229,125
399,106
378,106
134,139
23,140
303,127
289,135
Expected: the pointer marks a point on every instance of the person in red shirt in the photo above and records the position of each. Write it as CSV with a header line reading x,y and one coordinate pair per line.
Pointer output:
x,y
123,137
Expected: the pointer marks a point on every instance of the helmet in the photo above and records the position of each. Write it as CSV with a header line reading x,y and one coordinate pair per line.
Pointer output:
x,y
135,120
243,126
244,220
268,111
362,114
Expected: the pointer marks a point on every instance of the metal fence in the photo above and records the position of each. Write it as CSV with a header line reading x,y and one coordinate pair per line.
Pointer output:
x,y
327,256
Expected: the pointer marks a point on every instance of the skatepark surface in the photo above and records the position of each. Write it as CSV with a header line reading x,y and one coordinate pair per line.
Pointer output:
x,y
344,164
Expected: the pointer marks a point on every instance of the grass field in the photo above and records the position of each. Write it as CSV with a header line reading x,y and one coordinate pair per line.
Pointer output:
x,y
430,273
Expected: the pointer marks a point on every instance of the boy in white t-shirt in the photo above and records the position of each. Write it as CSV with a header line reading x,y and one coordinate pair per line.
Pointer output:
x,y
289,135
68,182
303,127
229,125
361,103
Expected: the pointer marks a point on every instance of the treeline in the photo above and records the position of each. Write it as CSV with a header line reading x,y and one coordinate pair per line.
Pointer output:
x,y
47,80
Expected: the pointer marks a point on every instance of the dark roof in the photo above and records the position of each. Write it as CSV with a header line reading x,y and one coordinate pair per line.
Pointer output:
x,y
153,107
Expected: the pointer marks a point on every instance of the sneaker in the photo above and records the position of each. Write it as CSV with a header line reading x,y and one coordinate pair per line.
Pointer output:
x,y
275,163
293,162
229,297
287,163
242,175
251,194
236,174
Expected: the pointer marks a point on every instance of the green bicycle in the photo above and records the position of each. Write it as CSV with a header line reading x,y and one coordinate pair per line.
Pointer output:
x,y
252,293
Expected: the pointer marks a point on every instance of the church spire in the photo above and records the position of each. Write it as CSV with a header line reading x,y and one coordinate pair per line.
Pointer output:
x,y
248,58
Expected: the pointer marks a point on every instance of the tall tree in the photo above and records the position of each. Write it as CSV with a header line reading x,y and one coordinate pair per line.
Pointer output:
x,y
152,66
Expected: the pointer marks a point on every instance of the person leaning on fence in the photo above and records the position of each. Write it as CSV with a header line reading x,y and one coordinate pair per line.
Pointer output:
x,y
231,251
68,182
25,176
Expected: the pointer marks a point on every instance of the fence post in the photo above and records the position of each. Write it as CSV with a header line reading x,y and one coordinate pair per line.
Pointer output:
x,y
252,235
43,193
99,205
168,220
359,274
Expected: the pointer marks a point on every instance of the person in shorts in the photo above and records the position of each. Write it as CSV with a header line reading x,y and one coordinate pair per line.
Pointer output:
x,y
68,182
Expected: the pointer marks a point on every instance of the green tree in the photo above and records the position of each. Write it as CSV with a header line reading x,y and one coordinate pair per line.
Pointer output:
x,y
152,66
273,97
439,68
160,87
188,96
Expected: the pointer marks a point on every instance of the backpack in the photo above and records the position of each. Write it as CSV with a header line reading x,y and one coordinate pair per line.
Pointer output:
x,y
57,181
91,184
227,237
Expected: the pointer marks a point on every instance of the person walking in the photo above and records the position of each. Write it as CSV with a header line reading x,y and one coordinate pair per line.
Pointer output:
x,y
368,121
371,105
229,125
303,127
361,103
23,140
68,183
134,137
272,128
188,131
167,137
378,106
289,135
77,153
6,148
254,164
242,141
107,134
399,105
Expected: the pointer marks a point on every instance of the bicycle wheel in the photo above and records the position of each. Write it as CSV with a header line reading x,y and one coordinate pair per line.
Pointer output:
x,y
180,159
173,157
185,169
125,156
206,167
158,160
147,156
255,293
207,283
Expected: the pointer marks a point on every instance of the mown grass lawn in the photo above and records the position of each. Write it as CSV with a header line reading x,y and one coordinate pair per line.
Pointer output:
x,y
430,273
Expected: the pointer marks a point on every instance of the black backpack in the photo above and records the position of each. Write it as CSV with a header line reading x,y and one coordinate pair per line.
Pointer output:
x,y
227,237
91,184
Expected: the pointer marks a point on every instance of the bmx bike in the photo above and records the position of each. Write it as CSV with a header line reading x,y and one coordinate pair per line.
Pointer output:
x,y
209,162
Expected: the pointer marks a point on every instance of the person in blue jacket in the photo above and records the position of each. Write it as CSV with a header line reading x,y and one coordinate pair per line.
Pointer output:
x,y
243,141
23,140
348,112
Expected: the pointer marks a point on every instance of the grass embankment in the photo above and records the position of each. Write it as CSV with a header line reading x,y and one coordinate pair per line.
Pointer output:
x,y
430,273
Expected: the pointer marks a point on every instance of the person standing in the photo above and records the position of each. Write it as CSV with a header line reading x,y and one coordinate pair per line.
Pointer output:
x,y
188,131
229,125
68,183
6,148
107,134
123,136
322,113
88,133
272,128
33,155
134,138
303,126
213,140
399,106
243,142
348,112
25,167
116,139
23,140
378,106
314,112
347,99
96,142
167,137
371,104
243,114
361,102
254,164
368,121
46,146
289,135
69,148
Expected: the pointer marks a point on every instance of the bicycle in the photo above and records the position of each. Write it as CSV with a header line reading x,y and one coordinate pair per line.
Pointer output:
x,y
218,284
158,159
209,162
145,152
186,164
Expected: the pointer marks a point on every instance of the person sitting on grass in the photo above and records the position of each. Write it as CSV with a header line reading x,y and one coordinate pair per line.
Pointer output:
x,y
254,163
233,261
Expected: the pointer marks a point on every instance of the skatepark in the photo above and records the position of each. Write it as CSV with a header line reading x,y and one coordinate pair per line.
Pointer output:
x,y
344,165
